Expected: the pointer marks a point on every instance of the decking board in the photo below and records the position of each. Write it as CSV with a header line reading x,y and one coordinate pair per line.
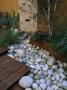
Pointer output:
x,y
10,71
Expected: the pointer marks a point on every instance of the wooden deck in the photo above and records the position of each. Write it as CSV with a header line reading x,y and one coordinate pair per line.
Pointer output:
x,y
10,72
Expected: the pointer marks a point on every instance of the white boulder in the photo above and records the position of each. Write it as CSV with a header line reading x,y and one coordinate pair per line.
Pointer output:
x,y
34,85
43,86
20,52
49,88
50,61
25,82
28,89
65,84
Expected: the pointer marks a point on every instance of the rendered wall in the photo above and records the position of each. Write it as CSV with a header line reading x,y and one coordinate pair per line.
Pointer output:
x,y
28,12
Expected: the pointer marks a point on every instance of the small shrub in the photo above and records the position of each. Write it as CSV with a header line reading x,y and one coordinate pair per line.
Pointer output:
x,y
40,36
10,37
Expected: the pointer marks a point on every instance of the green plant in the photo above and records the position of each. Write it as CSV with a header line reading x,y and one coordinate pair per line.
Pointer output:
x,y
40,36
10,20
10,37
59,37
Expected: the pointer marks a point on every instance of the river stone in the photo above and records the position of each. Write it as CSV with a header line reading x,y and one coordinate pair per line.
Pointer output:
x,y
25,82
50,61
65,84
38,88
20,52
45,68
50,72
28,89
42,80
59,84
10,55
36,77
57,77
38,60
34,85
62,75
49,88
55,87
42,86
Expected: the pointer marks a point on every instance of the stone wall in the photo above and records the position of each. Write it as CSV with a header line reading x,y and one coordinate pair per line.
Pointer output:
x,y
28,15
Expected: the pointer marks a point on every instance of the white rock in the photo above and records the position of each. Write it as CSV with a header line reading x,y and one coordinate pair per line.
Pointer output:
x,y
55,87
35,71
34,85
38,88
64,64
37,66
38,60
48,82
10,55
50,72
61,70
43,86
65,84
38,81
36,77
37,47
62,75
28,89
20,52
53,78
55,82
49,88
42,80
57,77
45,68
61,65
50,61
25,82
54,67
59,84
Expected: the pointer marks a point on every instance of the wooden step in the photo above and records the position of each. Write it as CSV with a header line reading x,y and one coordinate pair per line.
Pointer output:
x,y
10,71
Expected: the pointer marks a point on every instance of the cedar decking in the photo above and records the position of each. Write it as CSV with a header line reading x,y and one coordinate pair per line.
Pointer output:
x,y
10,72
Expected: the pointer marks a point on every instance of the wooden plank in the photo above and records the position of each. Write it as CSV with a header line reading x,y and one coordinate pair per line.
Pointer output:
x,y
10,71
3,50
15,87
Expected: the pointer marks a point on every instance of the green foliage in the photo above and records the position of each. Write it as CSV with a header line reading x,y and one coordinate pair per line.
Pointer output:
x,y
10,20
40,36
10,37
59,37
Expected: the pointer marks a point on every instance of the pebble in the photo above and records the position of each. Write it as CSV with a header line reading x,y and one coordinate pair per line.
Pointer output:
x,y
45,68
65,84
42,80
34,85
57,77
38,88
37,77
50,61
28,89
44,73
42,86
50,72
25,82
55,87
49,88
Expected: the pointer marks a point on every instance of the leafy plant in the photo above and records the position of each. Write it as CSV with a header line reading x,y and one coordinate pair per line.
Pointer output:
x,y
40,36
10,37
10,20
59,37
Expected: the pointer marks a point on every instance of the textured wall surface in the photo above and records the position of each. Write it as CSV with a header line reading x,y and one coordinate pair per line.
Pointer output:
x,y
28,11
9,5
